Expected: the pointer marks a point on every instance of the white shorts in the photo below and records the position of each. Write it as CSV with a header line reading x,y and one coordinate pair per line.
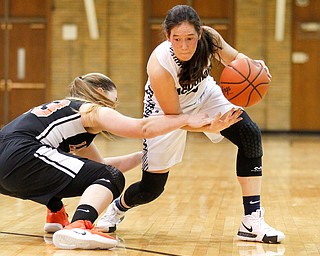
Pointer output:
x,y
164,151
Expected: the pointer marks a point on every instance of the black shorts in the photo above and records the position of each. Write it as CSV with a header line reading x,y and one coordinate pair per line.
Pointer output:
x,y
30,170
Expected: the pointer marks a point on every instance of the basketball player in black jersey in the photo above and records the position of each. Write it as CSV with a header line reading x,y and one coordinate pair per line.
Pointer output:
x,y
48,153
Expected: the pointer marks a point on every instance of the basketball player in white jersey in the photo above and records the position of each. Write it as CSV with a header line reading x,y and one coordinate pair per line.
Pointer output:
x,y
179,81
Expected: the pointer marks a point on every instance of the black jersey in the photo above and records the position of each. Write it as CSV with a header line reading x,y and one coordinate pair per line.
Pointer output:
x,y
36,160
57,124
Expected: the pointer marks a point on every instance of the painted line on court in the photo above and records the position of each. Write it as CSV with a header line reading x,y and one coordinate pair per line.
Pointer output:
x,y
120,247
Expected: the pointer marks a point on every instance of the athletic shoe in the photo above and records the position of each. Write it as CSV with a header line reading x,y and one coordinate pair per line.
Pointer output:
x,y
81,235
254,228
56,220
109,221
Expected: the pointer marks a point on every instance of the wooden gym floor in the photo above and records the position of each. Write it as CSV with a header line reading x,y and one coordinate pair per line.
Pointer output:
x,y
200,210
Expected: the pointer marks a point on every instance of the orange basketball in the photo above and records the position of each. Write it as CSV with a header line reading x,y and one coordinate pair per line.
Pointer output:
x,y
244,82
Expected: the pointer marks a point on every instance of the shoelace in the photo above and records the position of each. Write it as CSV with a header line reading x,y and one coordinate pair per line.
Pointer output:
x,y
88,224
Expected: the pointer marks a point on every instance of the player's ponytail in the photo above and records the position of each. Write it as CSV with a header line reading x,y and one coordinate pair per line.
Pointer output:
x,y
86,87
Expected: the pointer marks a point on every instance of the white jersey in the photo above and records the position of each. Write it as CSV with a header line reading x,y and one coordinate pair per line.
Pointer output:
x,y
204,96
189,95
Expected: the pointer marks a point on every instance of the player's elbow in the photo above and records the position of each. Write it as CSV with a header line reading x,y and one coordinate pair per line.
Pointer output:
x,y
147,133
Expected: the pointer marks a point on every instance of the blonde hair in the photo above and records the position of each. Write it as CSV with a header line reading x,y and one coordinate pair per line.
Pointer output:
x,y
86,89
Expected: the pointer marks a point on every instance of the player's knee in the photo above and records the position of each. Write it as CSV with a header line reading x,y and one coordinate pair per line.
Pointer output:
x,y
250,137
249,160
148,189
247,136
114,181
153,184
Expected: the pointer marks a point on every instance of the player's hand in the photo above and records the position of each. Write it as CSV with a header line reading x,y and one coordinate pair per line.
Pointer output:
x,y
221,122
263,64
198,120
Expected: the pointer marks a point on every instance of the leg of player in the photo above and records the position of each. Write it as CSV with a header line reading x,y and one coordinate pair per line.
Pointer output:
x,y
149,188
246,135
253,227
56,218
81,234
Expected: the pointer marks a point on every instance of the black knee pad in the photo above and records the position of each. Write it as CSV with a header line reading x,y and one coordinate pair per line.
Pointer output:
x,y
247,136
114,181
148,189
250,137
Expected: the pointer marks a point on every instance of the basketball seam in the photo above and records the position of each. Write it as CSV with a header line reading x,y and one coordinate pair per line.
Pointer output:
x,y
254,87
246,79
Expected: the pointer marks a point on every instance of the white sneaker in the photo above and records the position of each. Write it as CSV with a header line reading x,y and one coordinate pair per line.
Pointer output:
x,y
109,221
81,235
254,228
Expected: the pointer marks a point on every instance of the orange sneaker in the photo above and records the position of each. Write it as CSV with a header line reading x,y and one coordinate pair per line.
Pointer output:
x,y
56,220
81,235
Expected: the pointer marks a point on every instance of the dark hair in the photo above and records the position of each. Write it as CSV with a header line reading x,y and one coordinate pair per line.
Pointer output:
x,y
208,45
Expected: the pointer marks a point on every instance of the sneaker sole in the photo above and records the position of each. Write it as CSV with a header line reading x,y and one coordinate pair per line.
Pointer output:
x,y
52,227
106,229
253,238
64,239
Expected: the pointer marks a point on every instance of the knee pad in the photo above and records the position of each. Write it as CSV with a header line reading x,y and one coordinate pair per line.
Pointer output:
x,y
250,137
114,180
247,136
148,189
247,167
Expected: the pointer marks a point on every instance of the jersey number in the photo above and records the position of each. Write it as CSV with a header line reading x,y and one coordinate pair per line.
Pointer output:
x,y
48,109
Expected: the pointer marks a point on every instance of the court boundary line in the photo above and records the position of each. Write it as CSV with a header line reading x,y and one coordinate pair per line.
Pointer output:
x,y
120,247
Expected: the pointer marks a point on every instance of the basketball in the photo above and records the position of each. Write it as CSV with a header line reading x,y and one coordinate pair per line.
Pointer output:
x,y
244,82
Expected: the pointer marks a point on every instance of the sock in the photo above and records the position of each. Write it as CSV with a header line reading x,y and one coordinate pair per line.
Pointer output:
x,y
85,212
55,204
120,205
251,204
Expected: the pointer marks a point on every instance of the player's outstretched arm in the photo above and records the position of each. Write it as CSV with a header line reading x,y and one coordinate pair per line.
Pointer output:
x,y
126,162
220,122
107,119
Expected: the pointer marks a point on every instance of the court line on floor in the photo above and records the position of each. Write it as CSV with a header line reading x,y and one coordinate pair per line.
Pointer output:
x,y
19,234
120,247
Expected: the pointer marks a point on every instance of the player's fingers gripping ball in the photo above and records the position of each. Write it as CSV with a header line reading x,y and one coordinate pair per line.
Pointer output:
x,y
244,82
